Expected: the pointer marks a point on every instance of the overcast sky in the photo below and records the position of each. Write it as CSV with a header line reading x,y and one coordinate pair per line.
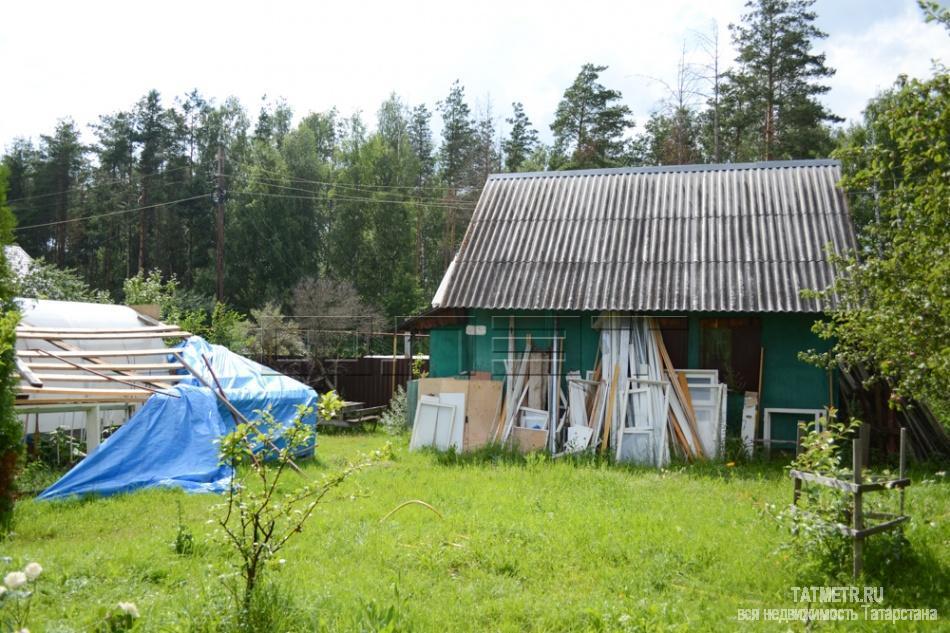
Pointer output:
x,y
84,59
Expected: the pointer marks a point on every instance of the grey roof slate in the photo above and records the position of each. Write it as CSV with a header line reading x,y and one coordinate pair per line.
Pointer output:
x,y
733,238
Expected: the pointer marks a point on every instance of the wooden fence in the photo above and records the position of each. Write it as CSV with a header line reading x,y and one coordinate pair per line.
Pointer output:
x,y
370,379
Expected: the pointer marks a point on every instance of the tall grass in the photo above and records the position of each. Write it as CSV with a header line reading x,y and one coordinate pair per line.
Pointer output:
x,y
518,544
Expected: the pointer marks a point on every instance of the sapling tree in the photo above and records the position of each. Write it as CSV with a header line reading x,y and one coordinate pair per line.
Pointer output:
x,y
813,522
264,509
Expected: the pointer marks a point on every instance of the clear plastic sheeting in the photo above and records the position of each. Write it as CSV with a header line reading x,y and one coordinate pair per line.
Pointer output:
x,y
56,315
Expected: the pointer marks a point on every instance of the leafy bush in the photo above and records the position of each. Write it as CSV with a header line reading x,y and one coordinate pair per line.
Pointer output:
x,y
190,310
45,280
149,288
221,326
329,405
10,430
395,419
275,335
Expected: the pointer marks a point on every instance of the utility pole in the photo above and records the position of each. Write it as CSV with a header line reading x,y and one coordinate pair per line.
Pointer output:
x,y
219,198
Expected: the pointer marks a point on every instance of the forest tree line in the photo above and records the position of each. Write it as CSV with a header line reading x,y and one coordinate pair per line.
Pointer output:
x,y
379,204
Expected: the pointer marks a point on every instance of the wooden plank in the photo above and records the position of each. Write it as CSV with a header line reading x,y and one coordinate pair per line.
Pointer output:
x,y
160,351
678,435
857,516
677,390
848,486
44,335
881,527
96,330
684,388
68,346
536,387
87,377
70,405
847,530
79,391
516,395
611,397
106,366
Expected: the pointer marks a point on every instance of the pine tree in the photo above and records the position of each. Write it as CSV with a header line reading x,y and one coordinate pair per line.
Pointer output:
x,y
455,159
670,139
153,131
114,152
62,162
486,158
420,138
590,123
771,99
522,140
458,139
21,163
429,219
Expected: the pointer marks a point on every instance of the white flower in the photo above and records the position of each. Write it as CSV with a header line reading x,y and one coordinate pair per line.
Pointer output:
x,y
3,590
15,579
281,561
129,608
33,571
23,630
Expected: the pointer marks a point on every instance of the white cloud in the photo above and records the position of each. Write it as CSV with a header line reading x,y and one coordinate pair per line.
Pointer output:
x,y
84,59
870,61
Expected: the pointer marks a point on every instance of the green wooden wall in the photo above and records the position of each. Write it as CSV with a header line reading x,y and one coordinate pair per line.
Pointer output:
x,y
788,382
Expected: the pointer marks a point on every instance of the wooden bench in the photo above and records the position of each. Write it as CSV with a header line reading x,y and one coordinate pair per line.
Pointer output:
x,y
356,418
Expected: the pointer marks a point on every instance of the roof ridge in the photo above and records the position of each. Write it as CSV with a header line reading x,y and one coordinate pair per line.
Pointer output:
x,y
661,169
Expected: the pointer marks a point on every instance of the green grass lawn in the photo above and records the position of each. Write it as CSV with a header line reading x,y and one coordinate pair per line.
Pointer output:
x,y
531,546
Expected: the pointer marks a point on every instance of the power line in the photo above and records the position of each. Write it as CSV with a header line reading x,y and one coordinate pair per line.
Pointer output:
x,y
110,213
451,205
367,186
421,203
163,186
95,185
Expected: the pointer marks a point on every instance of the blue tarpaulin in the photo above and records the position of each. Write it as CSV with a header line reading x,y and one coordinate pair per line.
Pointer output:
x,y
168,442
249,386
171,442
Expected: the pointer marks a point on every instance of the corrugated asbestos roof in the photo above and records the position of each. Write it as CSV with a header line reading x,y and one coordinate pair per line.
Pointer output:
x,y
742,237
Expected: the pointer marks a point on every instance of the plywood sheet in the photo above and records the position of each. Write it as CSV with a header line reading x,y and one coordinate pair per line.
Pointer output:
x,y
528,440
482,406
432,386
